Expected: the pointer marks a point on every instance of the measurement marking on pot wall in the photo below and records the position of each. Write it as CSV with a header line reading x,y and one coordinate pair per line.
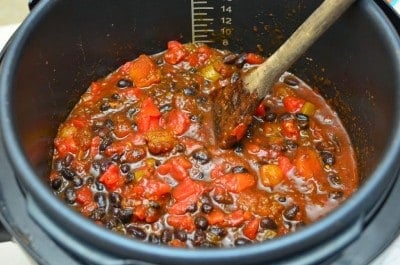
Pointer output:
x,y
212,20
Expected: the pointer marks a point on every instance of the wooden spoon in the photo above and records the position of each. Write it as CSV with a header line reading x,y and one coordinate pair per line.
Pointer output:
x,y
234,106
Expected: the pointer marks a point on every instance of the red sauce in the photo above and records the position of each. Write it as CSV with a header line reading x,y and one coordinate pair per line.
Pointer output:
x,y
138,154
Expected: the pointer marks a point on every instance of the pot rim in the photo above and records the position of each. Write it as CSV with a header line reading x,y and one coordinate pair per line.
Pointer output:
x,y
354,209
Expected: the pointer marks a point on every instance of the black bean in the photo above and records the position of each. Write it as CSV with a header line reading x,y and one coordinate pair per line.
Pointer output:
x,y
67,174
165,108
112,223
98,214
99,186
220,232
154,239
302,121
286,117
207,208
195,118
207,244
268,223
291,81
235,77
179,148
241,241
136,232
189,91
109,124
239,169
291,212
125,215
125,168
78,181
105,106
70,195
240,60
166,236
201,222
124,83
192,208
199,237
115,199
328,158
230,58
239,148
291,145
56,183
334,180
224,198
100,198
336,195
68,159
131,113
116,96
282,199
270,116
180,235
105,142
201,156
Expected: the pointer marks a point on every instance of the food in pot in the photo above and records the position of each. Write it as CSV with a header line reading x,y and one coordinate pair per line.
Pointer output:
x,y
138,154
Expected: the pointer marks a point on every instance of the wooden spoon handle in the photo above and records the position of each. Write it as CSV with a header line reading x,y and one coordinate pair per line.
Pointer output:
x,y
262,78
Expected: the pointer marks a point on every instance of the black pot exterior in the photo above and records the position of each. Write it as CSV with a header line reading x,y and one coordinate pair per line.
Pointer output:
x,y
64,45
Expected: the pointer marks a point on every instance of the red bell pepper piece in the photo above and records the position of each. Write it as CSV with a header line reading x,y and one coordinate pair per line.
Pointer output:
x,y
84,195
293,104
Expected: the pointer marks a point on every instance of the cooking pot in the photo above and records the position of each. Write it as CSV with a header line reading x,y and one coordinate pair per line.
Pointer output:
x,y
64,45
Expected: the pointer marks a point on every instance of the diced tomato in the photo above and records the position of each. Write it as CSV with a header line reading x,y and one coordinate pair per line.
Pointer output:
x,y
290,129
216,217
260,111
177,166
177,121
285,164
307,163
253,58
144,72
84,195
140,212
200,56
175,53
187,188
176,243
185,194
182,222
94,146
148,117
80,122
66,146
236,218
112,178
87,209
293,104
251,229
155,189
239,131
236,182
